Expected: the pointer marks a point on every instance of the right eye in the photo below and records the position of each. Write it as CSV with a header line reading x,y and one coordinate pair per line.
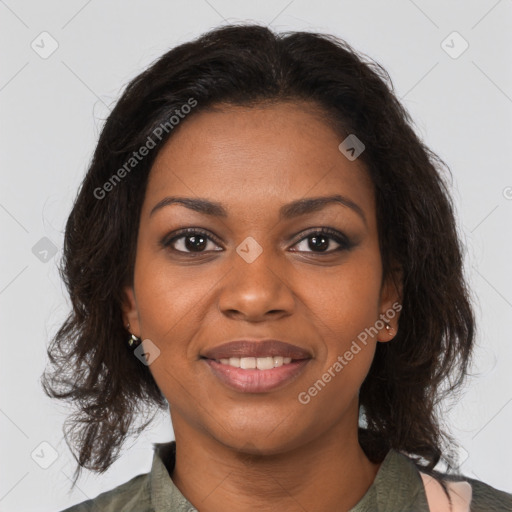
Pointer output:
x,y
189,241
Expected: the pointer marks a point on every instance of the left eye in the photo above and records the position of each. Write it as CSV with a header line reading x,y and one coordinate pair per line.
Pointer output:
x,y
319,241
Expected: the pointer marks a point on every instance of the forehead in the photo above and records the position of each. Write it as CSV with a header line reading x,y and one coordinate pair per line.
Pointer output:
x,y
257,156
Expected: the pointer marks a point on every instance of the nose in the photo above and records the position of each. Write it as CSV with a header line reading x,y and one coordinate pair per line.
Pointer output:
x,y
256,291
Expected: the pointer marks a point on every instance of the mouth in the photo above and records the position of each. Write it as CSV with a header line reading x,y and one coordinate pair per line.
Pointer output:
x,y
256,366
253,363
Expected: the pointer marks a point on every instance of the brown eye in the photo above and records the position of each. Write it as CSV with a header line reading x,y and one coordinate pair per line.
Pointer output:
x,y
321,241
190,241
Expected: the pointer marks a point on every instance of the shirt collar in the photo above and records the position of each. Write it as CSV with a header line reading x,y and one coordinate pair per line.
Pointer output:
x,y
164,494
396,468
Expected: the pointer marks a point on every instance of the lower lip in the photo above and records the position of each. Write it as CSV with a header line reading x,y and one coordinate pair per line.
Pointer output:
x,y
256,381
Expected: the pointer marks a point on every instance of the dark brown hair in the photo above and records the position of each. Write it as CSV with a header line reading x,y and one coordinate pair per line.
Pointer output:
x,y
91,364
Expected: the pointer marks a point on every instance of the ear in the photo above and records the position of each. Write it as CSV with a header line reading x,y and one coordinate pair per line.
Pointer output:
x,y
391,304
130,311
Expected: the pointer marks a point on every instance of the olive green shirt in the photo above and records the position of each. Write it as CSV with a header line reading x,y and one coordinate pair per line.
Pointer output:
x,y
397,488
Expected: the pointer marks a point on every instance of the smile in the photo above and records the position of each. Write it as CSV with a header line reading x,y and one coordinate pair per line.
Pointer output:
x,y
260,363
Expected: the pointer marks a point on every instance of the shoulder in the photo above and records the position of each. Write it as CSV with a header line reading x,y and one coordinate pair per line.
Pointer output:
x,y
463,490
465,494
132,495
489,499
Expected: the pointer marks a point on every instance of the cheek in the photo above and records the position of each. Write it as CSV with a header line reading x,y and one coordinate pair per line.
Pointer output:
x,y
347,297
346,307
172,304
167,301
168,297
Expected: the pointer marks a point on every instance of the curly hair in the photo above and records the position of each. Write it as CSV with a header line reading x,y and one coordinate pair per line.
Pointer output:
x,y
90,364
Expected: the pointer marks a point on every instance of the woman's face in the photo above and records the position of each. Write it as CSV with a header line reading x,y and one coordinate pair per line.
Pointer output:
x,y
259,271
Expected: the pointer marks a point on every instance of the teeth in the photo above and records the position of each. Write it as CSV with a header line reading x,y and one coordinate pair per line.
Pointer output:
x,y
261,363
264,363
248,363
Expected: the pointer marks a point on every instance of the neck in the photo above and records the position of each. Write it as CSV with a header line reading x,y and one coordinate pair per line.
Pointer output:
x,y
330,473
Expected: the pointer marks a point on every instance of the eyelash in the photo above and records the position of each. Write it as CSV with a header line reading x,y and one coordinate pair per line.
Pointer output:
x,y
343,241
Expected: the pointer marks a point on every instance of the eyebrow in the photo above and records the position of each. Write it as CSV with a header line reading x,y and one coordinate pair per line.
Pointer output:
x,y
287,211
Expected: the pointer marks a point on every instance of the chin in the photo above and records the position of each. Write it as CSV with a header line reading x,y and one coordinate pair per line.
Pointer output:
x,y
261,441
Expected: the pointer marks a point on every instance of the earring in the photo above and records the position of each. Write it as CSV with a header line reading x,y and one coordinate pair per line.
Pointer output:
x,y
134,340
389,329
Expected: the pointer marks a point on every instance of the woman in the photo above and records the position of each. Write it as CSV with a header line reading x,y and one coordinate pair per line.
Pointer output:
x,y
264,244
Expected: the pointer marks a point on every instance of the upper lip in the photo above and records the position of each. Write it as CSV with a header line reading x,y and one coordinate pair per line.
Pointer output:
x,y
256,348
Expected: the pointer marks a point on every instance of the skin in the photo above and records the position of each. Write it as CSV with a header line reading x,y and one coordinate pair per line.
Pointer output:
x,y
261,451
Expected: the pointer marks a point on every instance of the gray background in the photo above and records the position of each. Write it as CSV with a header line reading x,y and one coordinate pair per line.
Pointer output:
x,y
52,108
